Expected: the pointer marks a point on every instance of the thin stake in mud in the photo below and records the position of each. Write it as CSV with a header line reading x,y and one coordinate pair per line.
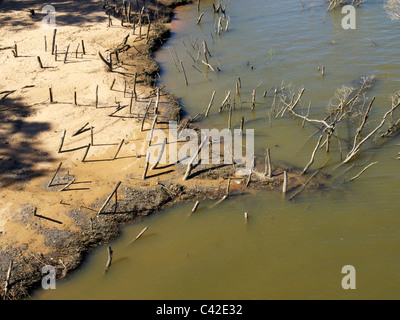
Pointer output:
x,y
119,148
246,217
8,276
160,155
40,62
54,41
51,95
97,96
45,43
190,164
131,102
241,125
43,217
268,167
312,156
253,100
15,51
109,259
75,99
210,104
109,198
199,18
138,236
146,166
112,84
184,72
152,129
81,130
145,114
66,54
54,176
86,152
134,85
195,207
62,141
83,47
67,185
285,182
55,53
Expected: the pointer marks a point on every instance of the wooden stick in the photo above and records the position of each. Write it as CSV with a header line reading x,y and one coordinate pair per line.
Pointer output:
x,y
312,156
109,259
91,136
246,217
184,72
7,282
15,50
54,41
189,167
145,114
241,125
210,104
40,62
268,167
224,102
55,53
75,100
157,102
146,166
253,100
66,54
43,217
152,129
362,171
83,47
109,197
195,206
51,95
54,176
97,96
159,155
139,235
112,84
200,17
67,185
119,148
86,152
134,85
230,117
62,140
285,179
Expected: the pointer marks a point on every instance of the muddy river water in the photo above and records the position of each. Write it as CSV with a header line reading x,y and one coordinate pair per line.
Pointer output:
x,y
287,249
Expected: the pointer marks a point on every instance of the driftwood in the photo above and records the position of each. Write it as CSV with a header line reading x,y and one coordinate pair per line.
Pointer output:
x,y
138,236
109,259
109,198
362,171
356,147
145,114
268,167
312,156
285,182
195,206
43,217
210,104
8,276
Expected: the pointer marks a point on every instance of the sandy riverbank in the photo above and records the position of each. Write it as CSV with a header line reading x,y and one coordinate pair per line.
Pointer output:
x,y
67,225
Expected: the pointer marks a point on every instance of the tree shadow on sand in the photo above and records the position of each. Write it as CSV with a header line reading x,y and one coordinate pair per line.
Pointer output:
x,y
19,150
18,13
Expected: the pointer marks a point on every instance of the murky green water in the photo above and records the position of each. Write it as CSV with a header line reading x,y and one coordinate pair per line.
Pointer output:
x,y
288,249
